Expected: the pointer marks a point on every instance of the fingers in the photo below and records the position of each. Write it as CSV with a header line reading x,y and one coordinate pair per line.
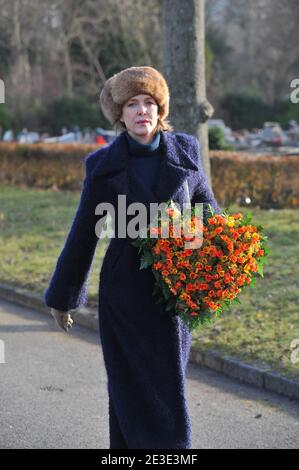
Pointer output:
x,y
63,319
67,322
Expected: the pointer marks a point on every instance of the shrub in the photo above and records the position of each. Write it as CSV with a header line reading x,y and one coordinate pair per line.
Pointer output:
x,y
217,139
6,118
246,111
70,112
269,181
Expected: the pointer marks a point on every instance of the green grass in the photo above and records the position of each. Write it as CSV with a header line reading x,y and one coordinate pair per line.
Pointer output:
x,y
33,227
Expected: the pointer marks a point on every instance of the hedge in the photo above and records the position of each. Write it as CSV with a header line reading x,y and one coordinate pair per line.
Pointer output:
x,y
269,181
56,166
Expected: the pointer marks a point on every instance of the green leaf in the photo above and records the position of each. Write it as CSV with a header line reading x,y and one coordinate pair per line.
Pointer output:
x,y
236,301
260,269
253,281
146,260
247,219
210,209
166,292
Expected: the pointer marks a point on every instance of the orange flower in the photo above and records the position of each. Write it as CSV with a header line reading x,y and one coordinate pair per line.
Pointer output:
x,y
169,211
157,265
189,287
220,219
199,266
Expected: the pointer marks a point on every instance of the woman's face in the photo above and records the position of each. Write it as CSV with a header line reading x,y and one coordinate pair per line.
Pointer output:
x,y
140,115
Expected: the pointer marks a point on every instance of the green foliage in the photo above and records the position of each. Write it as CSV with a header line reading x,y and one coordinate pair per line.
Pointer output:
x,y
248,110
6,118
70,112
286,111
146,260
217,139
244,110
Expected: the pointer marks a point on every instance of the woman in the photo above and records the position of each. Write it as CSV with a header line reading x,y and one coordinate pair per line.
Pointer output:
x,y
145,349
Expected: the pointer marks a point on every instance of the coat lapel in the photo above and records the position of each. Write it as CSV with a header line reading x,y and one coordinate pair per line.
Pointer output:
x,y
174,168
176,165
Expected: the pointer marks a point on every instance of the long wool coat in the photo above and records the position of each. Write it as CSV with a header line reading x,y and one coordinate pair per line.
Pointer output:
x,y
145,349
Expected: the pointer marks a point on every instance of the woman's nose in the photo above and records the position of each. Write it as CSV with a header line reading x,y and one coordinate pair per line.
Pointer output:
x,y
142,109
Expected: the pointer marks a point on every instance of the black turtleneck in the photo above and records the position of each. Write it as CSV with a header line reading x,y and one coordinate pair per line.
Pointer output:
x,y
145,158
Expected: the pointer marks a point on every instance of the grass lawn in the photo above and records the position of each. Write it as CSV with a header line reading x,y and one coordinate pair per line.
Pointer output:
x,y
33,227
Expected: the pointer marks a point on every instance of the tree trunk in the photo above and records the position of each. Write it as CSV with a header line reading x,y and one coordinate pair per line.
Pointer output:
x,y
69,71
184,68
21,76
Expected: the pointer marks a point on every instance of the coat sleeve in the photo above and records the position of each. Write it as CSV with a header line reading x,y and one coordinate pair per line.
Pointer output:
x,y
203,192
68,285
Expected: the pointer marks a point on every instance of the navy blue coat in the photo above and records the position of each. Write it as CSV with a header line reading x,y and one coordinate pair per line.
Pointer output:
x,y
145,349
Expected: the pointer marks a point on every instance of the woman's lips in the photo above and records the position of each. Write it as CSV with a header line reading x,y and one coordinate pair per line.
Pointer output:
x,y
142,122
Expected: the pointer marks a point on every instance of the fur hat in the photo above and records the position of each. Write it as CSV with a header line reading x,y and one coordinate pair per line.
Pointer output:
x,y
132,81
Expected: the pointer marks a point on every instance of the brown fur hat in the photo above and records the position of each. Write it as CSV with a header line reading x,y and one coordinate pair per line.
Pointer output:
x,y
132,81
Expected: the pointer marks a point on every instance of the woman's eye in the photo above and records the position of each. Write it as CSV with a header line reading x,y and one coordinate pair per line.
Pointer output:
x,y
148,102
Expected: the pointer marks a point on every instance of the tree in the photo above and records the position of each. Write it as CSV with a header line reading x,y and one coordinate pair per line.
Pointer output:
x,y
184,67
263,36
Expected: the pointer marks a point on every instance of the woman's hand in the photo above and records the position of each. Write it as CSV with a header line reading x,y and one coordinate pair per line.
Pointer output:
x,y
63,319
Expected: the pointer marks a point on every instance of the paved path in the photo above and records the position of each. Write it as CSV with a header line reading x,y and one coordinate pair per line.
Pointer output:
x,y
53,394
